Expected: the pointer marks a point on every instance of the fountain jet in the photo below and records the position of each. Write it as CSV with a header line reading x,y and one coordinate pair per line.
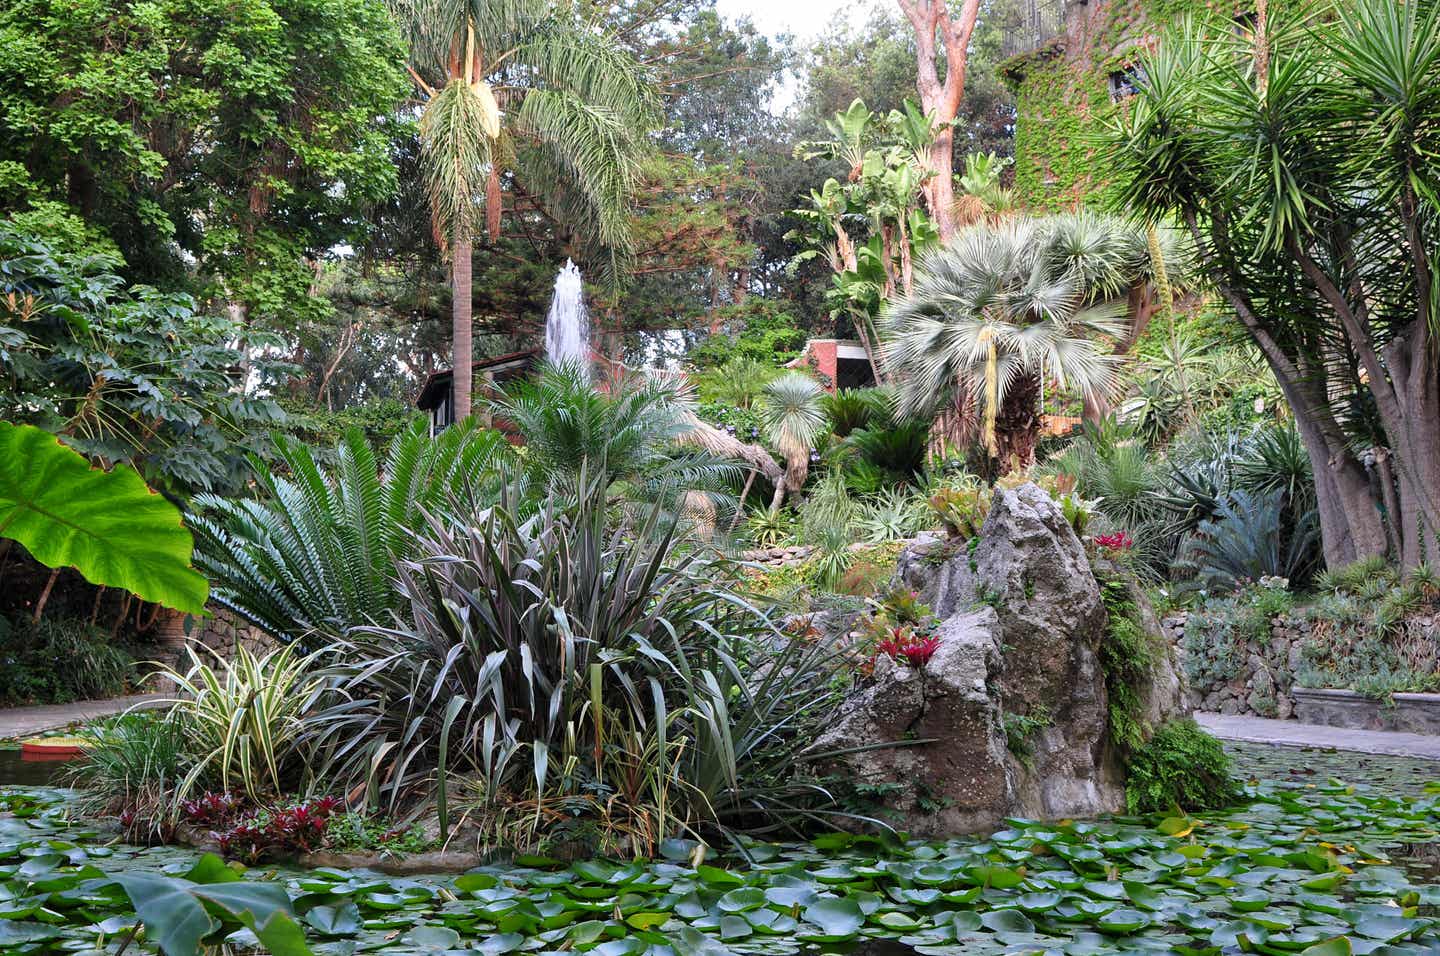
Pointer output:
x,y
567,327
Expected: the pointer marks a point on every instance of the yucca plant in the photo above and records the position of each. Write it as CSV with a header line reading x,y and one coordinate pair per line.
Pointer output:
x,y
313,553
793,414
242,719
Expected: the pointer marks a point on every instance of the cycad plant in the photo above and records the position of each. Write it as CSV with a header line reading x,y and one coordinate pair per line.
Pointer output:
x,y
633,434
793,414
999,310
314,552
528,88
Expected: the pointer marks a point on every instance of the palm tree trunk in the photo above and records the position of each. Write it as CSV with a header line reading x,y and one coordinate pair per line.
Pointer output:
x,y
462,349
1017,424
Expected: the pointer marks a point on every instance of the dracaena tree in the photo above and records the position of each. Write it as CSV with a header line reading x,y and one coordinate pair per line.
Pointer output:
x,y
1303,163
526,91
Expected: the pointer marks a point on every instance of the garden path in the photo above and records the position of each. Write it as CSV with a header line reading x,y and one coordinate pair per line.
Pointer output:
x,y
28,721
1290,733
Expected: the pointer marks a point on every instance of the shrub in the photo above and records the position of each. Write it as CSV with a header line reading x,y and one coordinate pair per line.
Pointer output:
x,y
130,769
1248,541
571,668
1180,767
314,552
242,719
57,661
1221,630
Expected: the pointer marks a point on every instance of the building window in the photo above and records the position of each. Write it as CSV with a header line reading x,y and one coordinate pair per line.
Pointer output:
x,y
1126,82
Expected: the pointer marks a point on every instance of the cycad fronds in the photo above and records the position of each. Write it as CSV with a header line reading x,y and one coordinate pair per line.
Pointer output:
x,y
314,553
794,416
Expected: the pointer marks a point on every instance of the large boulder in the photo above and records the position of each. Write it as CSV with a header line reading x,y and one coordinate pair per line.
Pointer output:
x,y
1010,717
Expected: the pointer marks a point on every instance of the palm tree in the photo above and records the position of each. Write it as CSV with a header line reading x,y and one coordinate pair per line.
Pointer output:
x,y
793,413
1002,308
529,88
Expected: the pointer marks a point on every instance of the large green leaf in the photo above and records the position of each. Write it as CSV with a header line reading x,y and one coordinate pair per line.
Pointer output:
x,y
107,525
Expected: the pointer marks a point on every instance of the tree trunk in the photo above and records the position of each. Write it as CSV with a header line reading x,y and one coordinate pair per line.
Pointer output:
x,y
1017,424
461,350
1350,525
171,638
941,100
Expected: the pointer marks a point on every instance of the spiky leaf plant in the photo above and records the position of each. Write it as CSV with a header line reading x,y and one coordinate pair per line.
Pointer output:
x,y
313,553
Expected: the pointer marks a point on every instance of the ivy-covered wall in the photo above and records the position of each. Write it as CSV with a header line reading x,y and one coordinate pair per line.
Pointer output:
x,y
1063,96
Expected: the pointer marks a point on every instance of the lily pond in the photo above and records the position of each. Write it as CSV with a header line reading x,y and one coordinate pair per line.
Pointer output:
x,y
1307,865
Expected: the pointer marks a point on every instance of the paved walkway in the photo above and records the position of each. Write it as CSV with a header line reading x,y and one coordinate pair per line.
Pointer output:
x,y
28,721
1290,733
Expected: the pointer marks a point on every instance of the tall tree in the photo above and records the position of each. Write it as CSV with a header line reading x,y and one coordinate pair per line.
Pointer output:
x,y
529,91
218,147
1307,176
941,97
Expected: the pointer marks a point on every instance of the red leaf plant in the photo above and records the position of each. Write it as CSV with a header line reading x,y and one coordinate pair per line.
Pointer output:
x,y
1116,541
903,644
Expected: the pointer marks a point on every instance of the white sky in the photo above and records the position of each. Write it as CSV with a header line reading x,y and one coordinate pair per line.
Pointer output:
x,y
803,18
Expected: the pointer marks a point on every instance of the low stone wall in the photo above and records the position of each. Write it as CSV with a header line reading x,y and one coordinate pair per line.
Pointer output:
x,y
1264,681
1263,675
225,632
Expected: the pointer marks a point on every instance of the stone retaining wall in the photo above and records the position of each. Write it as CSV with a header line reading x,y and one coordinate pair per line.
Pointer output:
x,y
1265,679
225,632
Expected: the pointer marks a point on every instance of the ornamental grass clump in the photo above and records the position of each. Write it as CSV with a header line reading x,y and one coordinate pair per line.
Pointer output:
x,y
242,720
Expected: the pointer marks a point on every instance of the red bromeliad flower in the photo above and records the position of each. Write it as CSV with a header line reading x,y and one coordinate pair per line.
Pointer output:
x,y
1118,541
919,652
904,644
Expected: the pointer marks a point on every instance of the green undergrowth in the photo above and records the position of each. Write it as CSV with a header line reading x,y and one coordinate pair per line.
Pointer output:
x,y
1180,767
1298,869
1128,655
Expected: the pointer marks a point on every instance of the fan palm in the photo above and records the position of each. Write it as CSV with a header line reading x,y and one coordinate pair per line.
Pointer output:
x,y
528,87
793,413
1001,308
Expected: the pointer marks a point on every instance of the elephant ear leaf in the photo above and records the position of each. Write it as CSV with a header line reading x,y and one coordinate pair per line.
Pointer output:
x,y
106,524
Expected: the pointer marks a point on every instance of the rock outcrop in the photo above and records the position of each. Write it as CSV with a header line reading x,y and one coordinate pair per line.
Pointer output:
x,y
1010,716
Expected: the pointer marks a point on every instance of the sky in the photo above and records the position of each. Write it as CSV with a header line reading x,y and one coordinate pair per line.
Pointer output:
x,y
803,18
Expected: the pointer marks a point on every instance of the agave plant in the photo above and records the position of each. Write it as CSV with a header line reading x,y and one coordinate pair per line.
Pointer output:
x,y
313,553
1247,541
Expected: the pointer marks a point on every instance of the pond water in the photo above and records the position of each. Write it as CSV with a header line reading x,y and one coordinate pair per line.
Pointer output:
x,y
19,770
1306,862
